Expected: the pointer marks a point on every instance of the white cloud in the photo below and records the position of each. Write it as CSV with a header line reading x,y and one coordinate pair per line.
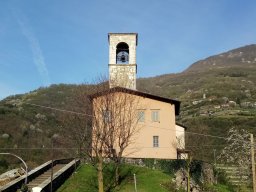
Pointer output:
x,y
36,49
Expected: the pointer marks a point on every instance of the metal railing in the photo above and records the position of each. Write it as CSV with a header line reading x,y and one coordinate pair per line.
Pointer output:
x,y
26,167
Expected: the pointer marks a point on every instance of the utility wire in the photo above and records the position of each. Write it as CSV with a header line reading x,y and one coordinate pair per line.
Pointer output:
x,y
62,110
84,114
73,148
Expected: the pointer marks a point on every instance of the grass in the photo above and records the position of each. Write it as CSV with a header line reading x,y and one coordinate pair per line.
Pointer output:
x,y
79,181
219,188
148,180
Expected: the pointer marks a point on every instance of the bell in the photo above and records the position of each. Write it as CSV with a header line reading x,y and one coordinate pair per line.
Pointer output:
x,y
123,58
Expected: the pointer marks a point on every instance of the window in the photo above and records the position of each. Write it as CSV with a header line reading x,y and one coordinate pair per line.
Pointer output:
x,y
155,141
155,115
141,116
106,116
122,53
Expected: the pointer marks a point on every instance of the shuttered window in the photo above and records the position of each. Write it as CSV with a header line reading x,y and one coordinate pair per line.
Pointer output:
x,y
155,115
155,141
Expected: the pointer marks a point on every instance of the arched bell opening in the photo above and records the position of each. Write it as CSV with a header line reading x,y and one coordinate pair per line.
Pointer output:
x,y
122,53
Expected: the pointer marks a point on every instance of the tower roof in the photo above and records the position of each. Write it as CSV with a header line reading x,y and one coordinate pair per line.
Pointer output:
x,y
116,34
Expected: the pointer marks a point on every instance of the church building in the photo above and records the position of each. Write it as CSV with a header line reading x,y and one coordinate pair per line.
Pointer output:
x,y
157,136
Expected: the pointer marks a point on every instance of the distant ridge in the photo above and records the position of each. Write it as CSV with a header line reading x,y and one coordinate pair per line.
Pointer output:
x,y
243,56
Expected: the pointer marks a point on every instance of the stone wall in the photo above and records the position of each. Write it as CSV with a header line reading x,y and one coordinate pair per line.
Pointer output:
x,y
123,75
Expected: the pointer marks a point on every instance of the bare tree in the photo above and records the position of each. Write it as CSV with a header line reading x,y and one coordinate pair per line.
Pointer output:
x,y
115,119
237,152
184,154
76,127
105,124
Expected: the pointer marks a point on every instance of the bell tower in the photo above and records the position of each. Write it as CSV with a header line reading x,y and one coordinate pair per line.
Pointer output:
x,y
122,59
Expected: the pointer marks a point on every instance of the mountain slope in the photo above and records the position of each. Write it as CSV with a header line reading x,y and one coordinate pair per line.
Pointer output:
x,y
240,57
230,77
217,93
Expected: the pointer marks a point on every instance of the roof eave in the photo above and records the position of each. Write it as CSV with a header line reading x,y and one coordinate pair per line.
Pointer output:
x,y
139,93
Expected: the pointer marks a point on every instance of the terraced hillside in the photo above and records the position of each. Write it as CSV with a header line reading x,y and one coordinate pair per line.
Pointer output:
x,y
217,93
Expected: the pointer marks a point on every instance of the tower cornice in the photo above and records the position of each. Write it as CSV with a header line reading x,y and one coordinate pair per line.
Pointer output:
x,y
119,34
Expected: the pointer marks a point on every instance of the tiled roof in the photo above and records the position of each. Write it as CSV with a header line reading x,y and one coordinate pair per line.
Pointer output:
x,y
142,94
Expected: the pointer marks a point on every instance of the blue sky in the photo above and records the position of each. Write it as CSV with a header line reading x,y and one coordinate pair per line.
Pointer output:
x,y
45,42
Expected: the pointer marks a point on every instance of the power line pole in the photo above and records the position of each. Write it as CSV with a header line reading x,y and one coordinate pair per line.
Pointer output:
x,y
253,164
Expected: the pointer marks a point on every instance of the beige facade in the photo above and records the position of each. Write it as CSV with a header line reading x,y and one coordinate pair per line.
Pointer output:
x,y
162,129
156,130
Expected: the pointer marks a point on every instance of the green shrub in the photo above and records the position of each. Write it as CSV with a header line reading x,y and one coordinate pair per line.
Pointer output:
x,y
3,166
171,186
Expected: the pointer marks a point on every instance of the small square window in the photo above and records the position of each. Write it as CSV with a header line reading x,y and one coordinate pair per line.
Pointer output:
x,y
155,115
141,116
106,116
155,141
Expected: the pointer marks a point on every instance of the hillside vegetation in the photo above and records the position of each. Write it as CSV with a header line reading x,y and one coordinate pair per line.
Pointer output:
x,y
217,93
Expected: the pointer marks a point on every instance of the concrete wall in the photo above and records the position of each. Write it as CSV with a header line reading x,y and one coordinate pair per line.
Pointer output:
x,y
123,75
180,135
